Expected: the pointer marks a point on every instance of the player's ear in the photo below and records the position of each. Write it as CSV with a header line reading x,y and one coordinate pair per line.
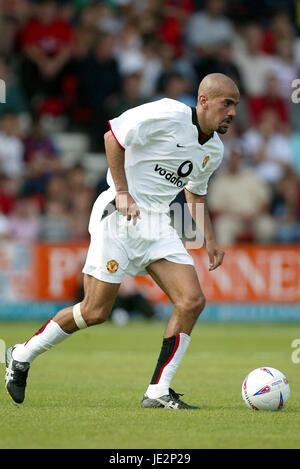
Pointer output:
x,y
202,101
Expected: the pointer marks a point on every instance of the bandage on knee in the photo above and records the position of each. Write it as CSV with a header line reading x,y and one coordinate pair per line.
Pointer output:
x,y
80,322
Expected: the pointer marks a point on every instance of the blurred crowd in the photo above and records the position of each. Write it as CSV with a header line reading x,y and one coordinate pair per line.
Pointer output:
x,y
82,62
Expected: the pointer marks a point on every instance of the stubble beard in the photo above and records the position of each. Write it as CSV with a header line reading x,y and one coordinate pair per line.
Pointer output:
x,y
222,130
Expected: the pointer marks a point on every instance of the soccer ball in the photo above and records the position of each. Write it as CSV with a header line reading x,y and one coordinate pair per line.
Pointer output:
x,y
265,388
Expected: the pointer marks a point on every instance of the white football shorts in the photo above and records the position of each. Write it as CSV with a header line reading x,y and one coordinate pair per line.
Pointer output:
x,y
119,249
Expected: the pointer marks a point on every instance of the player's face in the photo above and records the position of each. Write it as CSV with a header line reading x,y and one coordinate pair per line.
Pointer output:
x,y
221,110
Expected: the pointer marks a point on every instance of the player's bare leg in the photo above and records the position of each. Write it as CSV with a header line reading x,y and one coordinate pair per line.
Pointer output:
x,y
94,309
180,283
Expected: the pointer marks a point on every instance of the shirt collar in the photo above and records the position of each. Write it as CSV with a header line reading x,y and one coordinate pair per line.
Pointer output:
x,y
202,137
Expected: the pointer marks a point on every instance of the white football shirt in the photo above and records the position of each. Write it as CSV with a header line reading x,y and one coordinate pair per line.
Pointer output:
x,y
164,152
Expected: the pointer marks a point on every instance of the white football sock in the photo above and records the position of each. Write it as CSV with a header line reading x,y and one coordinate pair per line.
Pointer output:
x,y
166,371
48,336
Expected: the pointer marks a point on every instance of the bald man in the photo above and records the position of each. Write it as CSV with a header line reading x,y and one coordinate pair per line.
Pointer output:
x,y
153,151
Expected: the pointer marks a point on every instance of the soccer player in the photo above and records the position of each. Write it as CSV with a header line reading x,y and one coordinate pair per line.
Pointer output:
x,y
153,152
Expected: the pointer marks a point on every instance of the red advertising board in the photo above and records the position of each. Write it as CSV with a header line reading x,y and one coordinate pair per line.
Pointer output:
x,y
52,272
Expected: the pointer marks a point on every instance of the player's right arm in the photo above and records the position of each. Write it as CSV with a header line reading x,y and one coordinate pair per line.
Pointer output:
x,y
115,154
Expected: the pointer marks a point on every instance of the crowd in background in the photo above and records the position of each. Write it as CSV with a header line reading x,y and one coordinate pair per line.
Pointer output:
x,y
82,62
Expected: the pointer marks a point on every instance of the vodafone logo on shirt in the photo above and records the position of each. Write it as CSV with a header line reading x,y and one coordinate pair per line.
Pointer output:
x,y
183,171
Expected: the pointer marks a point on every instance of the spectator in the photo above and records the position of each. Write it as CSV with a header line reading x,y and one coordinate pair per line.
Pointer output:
x,y
99,81
151,68
280,28
231,141
83,42
41,159
267,148
236,216
4,227
55,222
88,16
129,96
46,43
80,209
15,98
177,87
79,111
40,153
205,30
13,17
57,189
99,73
108,21
9,189
76,179
80,199
170,64
255,67
293,137
127,48
24,222
220,62
271,100
285,209
171,27
11,146
144,60
284,66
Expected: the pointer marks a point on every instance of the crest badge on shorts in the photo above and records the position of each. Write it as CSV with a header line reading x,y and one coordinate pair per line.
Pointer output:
x,y
112,266
205,161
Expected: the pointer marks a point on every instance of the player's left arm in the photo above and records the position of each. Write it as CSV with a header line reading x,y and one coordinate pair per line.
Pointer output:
x,y
214,251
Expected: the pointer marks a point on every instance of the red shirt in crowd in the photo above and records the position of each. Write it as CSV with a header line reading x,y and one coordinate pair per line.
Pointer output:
x,y
49,38
259,104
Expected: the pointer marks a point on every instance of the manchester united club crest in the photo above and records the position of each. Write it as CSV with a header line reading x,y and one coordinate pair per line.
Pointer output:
x,y
205,161
112,266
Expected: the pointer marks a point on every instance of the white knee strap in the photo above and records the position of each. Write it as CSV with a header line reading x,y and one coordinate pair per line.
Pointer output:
x,y
80,322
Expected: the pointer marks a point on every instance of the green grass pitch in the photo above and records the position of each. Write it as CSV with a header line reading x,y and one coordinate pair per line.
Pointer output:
x,y
86,392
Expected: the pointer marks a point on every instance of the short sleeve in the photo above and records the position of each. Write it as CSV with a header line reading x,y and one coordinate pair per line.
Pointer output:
x,y
133,127
199,184
199,188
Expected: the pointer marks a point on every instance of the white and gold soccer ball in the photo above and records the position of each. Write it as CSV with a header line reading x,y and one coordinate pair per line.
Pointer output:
x,y
265,388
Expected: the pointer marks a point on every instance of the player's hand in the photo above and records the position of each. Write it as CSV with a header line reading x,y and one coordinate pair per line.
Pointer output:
x,y
127,206
215,254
